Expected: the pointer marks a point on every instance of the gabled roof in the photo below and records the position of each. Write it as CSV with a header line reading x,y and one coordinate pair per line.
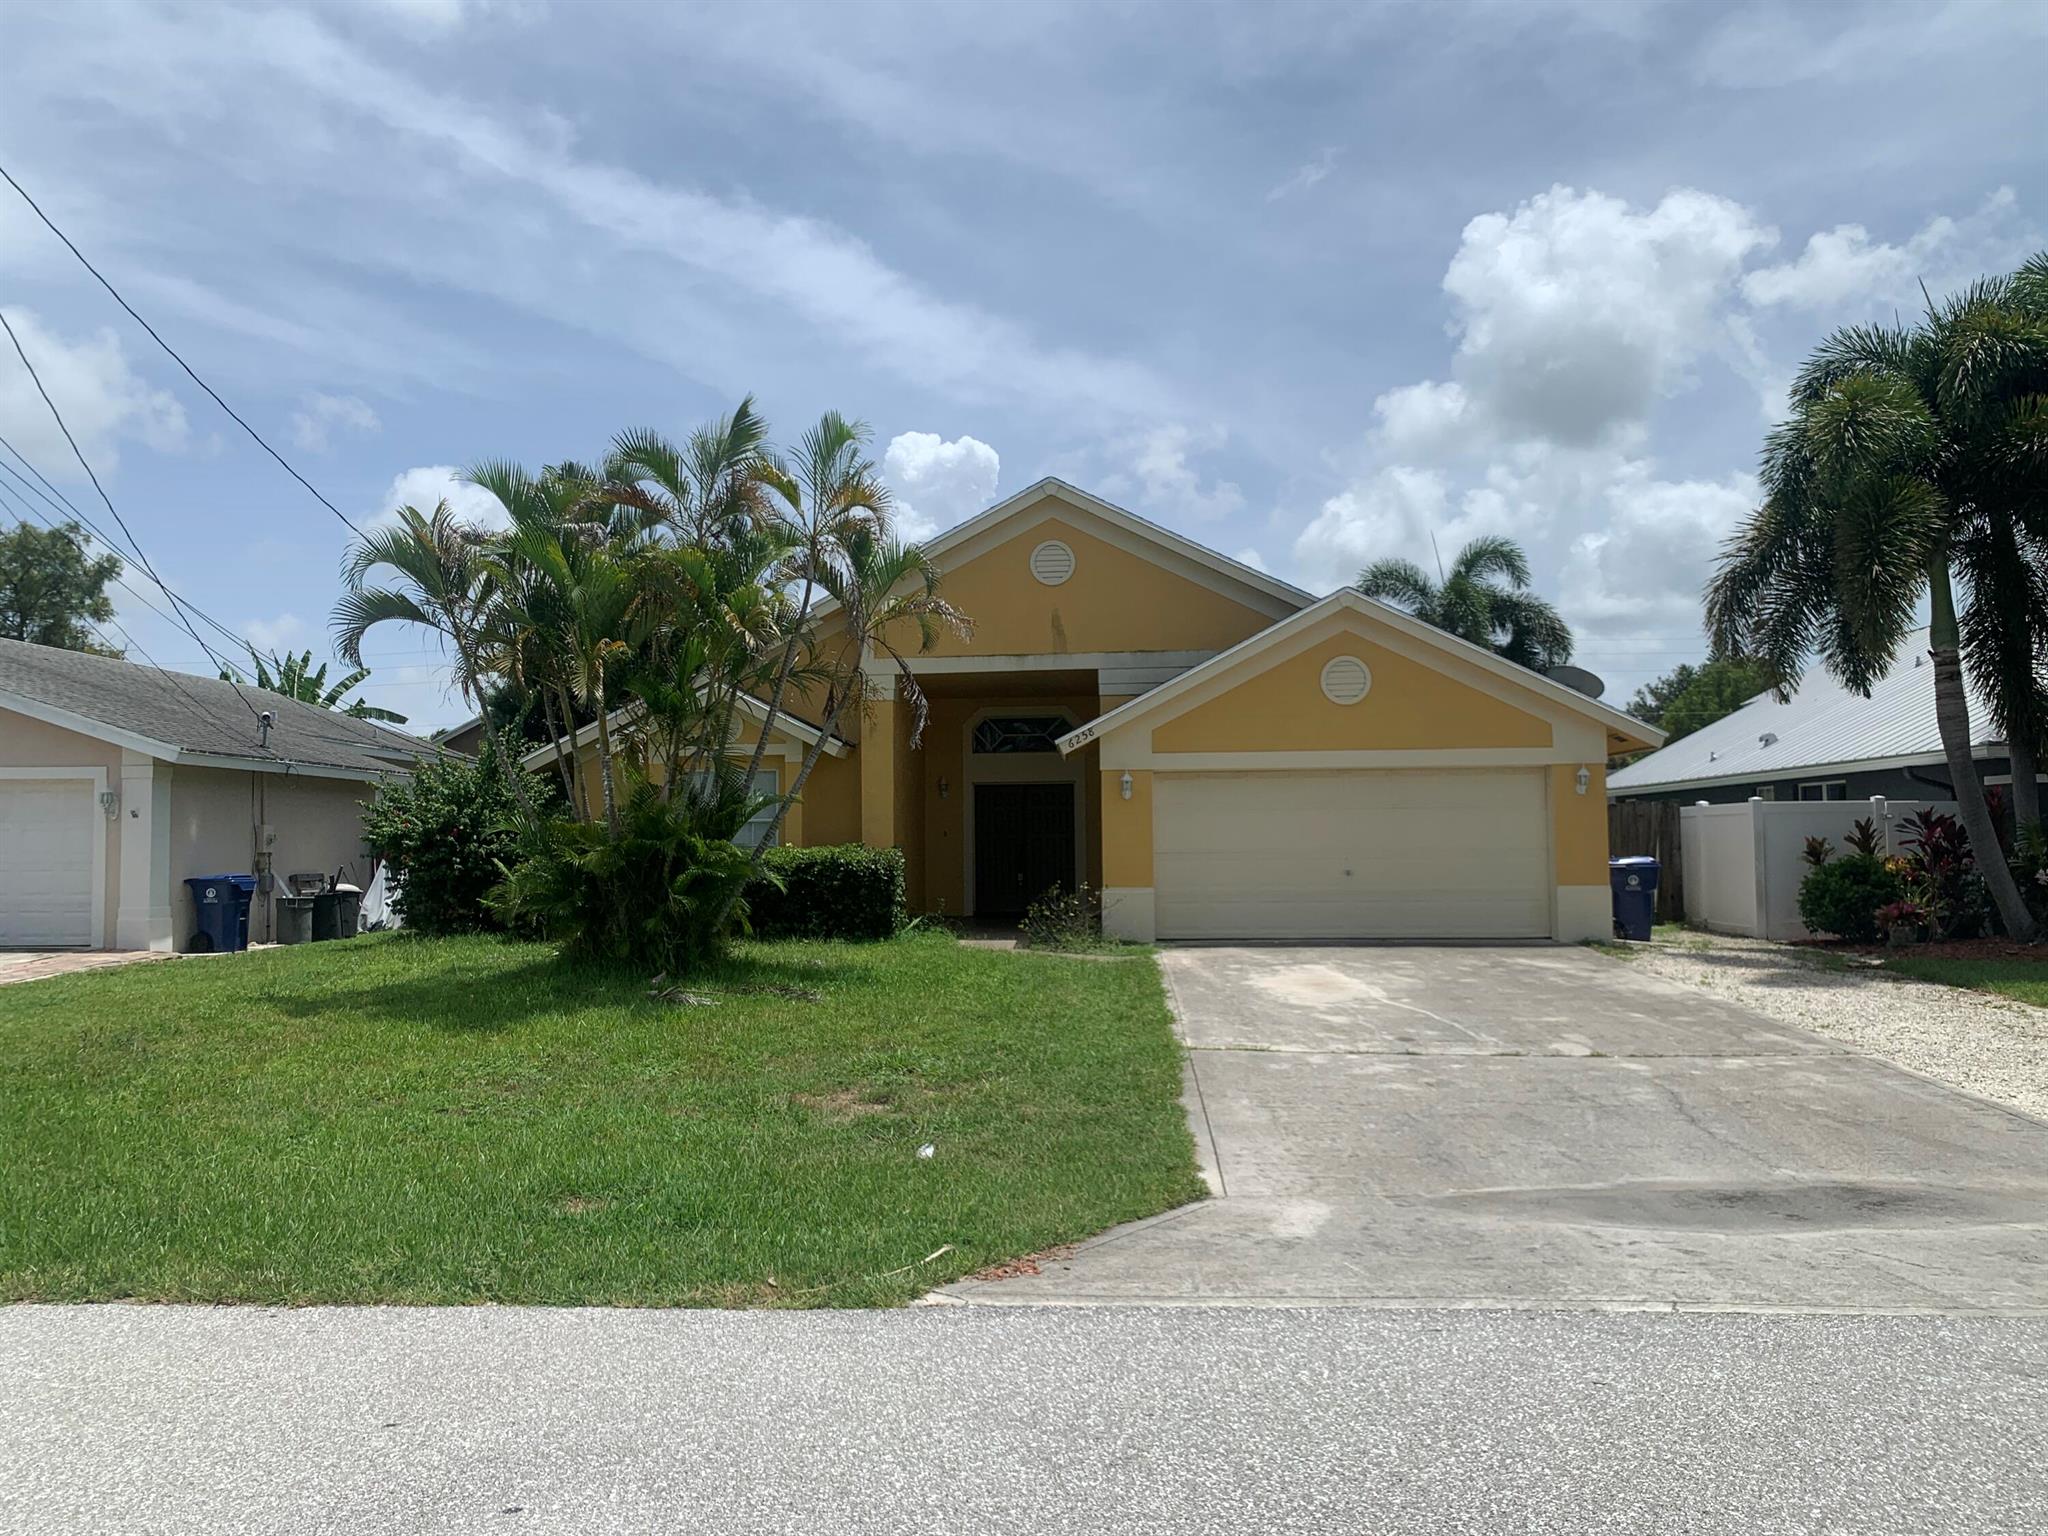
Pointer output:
x,y
1823,727
626,715
1346,599
1129,522
183,718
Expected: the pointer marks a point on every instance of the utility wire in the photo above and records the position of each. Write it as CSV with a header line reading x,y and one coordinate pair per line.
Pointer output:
x,y
58,415
153,336
64,506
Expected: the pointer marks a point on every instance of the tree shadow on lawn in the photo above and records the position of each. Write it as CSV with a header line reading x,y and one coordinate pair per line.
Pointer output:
x,y
484,996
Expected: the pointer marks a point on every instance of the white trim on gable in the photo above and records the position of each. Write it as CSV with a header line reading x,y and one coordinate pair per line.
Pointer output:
x,y
626,716
85,725
1422,636
1126,530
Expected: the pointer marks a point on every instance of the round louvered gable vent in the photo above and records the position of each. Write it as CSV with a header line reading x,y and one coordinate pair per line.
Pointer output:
x,y
1346,680
1052,562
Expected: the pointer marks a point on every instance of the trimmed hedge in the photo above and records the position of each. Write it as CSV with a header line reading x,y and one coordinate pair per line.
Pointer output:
x,y
848,891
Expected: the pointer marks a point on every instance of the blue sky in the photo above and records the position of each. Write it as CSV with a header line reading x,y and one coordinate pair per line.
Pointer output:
x,y
1305,282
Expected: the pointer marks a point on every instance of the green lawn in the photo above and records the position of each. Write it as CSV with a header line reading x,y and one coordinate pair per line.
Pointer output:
x,y
2024,980
468,1120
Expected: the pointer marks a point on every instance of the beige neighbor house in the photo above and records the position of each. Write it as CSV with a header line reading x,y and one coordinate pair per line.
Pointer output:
x,y
1220,754
117,781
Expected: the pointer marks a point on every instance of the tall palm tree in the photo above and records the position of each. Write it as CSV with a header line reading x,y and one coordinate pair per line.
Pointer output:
x,y
829,493
436,580
1909,460
887,594
296,678
1483,598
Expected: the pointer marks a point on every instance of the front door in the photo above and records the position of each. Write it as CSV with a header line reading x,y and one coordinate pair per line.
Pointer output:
x,y
1023,845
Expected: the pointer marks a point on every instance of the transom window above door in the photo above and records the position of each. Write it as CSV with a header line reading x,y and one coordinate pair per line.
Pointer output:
x,y
1019,733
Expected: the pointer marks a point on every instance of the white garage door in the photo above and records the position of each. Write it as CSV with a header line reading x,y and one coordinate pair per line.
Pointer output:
x,y
46,855
1360,855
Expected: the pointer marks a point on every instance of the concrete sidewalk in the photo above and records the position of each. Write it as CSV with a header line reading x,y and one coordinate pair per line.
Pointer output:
x,y
1539,1126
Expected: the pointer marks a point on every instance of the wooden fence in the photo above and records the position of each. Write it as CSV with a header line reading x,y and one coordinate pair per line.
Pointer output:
x,y
1651,826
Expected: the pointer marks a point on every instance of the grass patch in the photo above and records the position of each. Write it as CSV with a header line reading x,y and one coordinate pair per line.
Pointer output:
x,y
471,1120
2024,981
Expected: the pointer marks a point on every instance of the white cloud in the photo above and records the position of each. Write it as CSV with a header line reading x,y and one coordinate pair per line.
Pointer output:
x,y
103,400
1251,557
1306,176
1388,513
428,484
1575,313
1842,265
1162,481
1642,566
1422,421
938,483
286,632
314,423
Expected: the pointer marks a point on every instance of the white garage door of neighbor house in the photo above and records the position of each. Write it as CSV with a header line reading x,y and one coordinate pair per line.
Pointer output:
x,y
46,854
1447,854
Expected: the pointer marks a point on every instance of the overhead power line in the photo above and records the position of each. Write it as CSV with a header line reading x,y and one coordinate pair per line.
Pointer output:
x,y
115,513
172,351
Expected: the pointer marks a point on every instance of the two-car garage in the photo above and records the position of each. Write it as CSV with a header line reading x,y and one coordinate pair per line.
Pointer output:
x,y
1361,854
1353,773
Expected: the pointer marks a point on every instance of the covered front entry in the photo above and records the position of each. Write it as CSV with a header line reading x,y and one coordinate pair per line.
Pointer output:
x,y
1361,854
1023,845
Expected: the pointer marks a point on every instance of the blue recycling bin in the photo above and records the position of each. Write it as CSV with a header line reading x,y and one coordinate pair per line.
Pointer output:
x,y
221,903
1634,883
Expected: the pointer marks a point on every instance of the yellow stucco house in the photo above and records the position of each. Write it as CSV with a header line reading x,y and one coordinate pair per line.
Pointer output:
x,y
1220,754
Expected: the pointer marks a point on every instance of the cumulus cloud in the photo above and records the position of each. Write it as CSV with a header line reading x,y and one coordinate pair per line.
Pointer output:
x,y
315,422
937,482
428,484
1844,265
1642,566
1576,313
103,400
1160,479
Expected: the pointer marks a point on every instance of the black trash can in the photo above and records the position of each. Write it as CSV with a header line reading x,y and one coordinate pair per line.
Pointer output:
x,y
326,916
294,919
1634,882
349,914
221,903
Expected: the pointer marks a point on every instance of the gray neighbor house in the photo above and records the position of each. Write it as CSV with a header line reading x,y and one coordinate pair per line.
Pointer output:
x,y
1824,743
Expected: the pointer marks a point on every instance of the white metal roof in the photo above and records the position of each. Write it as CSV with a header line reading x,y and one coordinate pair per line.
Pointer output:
x,y
1823,725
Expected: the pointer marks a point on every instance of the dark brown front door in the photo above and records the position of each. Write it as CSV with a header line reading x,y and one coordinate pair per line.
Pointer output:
x,y
1023,845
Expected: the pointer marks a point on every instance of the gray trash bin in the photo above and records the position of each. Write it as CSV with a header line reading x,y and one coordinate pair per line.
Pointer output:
x,y
348,910
294,919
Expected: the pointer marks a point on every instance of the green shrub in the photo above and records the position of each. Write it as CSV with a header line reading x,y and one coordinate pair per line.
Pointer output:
x,y
662,893
1843,897
442,835
1061,919
848,891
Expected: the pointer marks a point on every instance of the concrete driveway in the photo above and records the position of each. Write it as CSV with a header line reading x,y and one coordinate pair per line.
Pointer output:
x,y
1535,1125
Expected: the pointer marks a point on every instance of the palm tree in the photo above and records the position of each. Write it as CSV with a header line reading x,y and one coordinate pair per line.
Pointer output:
x,y
1910,459
1484,598
295,678
832,492
886,593
437,582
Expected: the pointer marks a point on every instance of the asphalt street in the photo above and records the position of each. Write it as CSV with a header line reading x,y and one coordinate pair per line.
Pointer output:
x,y
966,1419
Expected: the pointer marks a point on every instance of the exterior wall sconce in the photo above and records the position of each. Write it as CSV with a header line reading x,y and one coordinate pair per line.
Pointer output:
x,y
1124,784
945,789
1582,778
110,803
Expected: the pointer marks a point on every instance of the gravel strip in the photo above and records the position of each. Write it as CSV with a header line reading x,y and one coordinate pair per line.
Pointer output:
x,y
1990,1046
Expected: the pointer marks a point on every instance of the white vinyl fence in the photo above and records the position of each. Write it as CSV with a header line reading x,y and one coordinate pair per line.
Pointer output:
x,y
1743,863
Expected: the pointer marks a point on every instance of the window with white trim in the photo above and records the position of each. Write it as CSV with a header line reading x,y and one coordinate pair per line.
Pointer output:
x,y
765,783
1767,791
1827,789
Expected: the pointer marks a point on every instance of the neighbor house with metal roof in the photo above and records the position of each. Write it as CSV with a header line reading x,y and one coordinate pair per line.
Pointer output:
x,y
118,781
1825,742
